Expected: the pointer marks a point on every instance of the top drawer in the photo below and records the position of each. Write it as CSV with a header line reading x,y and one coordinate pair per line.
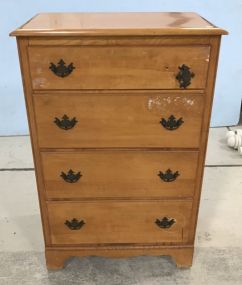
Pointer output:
x,y
119,67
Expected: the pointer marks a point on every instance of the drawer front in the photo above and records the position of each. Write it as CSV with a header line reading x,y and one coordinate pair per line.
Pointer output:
x,y
73,121
133,67
119,222
88,174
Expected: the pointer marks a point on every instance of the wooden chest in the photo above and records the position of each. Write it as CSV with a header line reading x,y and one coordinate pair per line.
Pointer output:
x,y
119,108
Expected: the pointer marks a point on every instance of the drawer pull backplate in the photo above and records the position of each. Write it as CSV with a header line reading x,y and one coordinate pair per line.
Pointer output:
x,y
74,224
184,76
71,176
65,123
165,222
172,123
168,176
61,69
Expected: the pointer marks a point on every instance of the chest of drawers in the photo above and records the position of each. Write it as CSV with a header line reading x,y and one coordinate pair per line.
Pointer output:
x,y
118,108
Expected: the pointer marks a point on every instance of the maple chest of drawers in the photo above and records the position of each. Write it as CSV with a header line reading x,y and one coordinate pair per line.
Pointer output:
x,y
118,108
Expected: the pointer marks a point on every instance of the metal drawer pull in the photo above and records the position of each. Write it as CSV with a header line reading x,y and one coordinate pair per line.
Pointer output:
x,y
71,176
74,224
172,123
168,176
184,76
61,69
65,123
165,222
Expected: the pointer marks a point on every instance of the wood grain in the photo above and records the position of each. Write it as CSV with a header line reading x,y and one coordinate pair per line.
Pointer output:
x,y
215,46
133,67
122,85
129,24
23,57
119,222
181,255
117,41
117,174
118,121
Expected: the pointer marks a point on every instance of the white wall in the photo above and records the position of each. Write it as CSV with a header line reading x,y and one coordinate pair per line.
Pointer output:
x,y
226,14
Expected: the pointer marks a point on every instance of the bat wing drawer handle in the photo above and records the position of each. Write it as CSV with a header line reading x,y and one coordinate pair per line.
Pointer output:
x,y
65,123
71,176
184,76
172,123
74,224
168,176
61,69
165,222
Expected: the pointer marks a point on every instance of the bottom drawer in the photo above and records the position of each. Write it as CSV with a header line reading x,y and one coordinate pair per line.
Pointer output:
x,y
119,222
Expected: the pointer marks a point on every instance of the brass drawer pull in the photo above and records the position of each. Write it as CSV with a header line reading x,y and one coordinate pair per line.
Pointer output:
x,y
71,176
168,176
74,224
165,222
172,123
184,76
65,123
61,69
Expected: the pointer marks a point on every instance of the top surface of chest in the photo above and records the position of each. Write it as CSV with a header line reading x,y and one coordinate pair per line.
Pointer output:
x,y
69,24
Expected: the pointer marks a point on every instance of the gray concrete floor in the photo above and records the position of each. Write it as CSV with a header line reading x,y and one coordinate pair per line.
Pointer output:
x,y
218,254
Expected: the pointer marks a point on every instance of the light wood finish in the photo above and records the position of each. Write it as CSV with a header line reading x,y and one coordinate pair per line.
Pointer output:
x,y
119,222
81,24
23,59
136,67
215,46
119,121
118,41
56,258
118,142
117,174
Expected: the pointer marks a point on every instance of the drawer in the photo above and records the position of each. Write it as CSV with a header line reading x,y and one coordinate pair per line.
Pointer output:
x,y
118,67
75,121
88,174
119,222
